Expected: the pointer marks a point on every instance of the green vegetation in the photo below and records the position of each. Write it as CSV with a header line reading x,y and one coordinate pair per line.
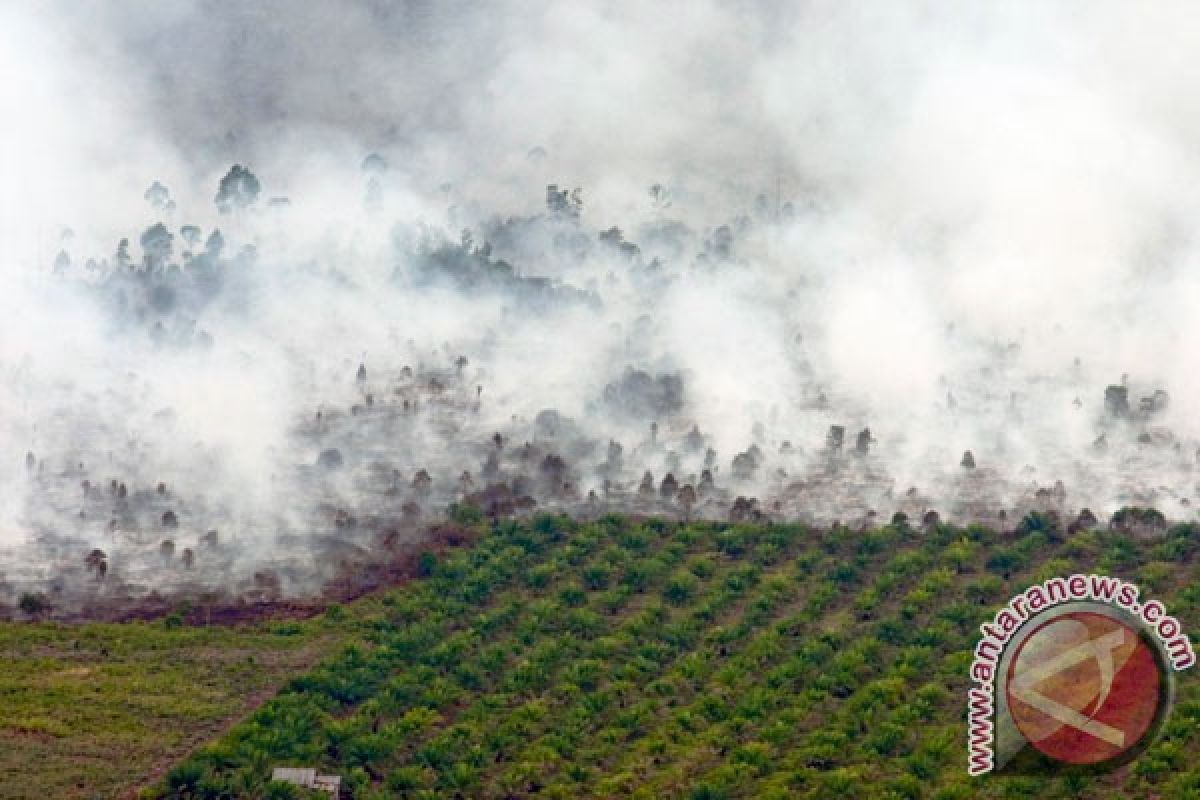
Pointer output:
x,y
643,658
89,711
620,657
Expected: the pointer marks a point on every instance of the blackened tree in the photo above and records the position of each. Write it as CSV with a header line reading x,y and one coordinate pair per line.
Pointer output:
x,y
239,189
156,245
159,197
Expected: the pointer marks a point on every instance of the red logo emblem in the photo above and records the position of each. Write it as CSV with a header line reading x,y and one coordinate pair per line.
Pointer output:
x,y
1084,688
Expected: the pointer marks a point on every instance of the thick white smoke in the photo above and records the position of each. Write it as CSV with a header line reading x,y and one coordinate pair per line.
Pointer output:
x,y
955,226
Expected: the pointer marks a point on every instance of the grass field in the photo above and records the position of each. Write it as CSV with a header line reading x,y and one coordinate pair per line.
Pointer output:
x,y
92,710
615,658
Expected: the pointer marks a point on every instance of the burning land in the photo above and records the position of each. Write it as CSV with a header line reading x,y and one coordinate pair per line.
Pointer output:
x,y
260,334
459,399
215,450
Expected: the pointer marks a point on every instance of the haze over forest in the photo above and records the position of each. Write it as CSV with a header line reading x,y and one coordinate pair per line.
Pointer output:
x,y
381,258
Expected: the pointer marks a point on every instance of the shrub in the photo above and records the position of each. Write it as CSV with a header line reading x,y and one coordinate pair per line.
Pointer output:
x,y
596,577
33,602
427,563
572,596
843,574
464,514
680,588
1038,522
184,779
1005,562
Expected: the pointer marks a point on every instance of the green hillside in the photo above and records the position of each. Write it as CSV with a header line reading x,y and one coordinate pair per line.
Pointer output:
x,y
645,658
